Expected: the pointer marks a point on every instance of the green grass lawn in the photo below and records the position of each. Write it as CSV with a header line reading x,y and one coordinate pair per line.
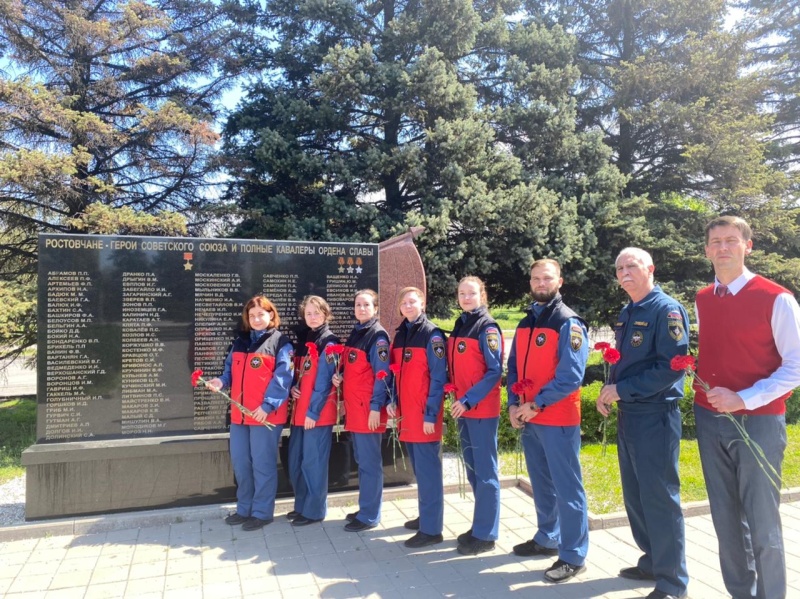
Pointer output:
x,y
601,473
17,432
507,318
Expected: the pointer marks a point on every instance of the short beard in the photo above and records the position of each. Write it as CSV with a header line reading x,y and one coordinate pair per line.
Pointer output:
x,y
544,297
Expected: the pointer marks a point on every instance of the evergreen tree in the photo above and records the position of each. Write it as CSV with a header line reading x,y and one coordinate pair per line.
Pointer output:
x,y
370,117
106,102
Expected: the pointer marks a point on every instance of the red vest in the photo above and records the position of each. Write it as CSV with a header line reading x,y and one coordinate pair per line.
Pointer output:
x,y
467,366
537,359
413,381
306,367
252,367
736,343
359,379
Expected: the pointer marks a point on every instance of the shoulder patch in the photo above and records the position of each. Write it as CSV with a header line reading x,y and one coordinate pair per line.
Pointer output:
x,y
493,338
382,346
437,343
329,356
575,337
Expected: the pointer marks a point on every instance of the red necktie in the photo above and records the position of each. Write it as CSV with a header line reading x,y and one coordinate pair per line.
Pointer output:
x,y
721,290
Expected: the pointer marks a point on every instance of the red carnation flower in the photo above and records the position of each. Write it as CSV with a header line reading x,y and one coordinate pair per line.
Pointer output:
x,y
602,346
337,348
312,350
196,377
395,368
682,363
449,388
611,355
527,384
382,374
517,389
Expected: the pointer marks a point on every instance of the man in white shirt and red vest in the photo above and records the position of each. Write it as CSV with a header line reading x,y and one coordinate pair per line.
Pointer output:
x,y
749,330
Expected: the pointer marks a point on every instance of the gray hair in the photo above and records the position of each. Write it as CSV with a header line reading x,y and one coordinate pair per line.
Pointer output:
x,y
638,253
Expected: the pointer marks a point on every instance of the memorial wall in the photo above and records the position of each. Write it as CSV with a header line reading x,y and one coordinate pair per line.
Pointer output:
x,y
123,321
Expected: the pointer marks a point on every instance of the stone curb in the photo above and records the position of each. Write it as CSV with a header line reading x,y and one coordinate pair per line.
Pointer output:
x,y
87,525
150,518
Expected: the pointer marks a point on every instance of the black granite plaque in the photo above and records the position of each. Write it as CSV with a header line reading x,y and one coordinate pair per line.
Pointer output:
x,y
123,321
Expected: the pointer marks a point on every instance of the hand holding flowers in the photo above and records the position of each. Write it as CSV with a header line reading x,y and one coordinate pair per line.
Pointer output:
x,y
215,385
725,406
335,351
608,394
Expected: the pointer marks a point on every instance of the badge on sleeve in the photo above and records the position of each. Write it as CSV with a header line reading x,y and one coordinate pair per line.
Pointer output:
x,y
382,345
437,342
575,337
493,338
675,325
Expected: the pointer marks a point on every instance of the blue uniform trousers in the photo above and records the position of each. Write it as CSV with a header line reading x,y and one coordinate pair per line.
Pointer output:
x,y
479,445
254,456
744,504
367,451
309,455
648,444
427,467
552,455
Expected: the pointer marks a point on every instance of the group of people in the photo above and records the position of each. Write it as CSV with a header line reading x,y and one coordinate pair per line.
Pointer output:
x,y
749,363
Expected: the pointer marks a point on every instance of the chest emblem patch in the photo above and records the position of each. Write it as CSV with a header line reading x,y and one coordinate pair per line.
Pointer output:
x,y
637,338
256,362
540,339
461,347
351,357
407,355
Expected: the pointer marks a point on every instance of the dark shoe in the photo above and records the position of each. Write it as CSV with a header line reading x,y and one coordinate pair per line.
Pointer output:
x,y
235,519
561,571
475,546
412,524
303,521
292,515
662,595
464,537
636,573
351,517
531,547
357,526
255,524
423,540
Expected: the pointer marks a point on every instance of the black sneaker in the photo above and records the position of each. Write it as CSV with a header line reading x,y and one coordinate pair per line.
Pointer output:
x,y
255,524
464,537
561,571
412,524
475,546
293,514
636,573
357,525
235,519
531,547
423,540
351,517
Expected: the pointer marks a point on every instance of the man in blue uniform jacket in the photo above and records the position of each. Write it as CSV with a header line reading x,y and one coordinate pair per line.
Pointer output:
x,y
652,329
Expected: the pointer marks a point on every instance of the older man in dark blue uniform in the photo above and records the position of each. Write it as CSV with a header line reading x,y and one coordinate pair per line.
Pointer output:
x,y
652,329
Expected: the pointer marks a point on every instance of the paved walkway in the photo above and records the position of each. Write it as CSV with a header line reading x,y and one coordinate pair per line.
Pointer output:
x,y
191,552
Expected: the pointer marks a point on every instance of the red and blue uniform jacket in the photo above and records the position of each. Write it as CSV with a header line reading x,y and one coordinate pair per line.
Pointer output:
x,y
366,353
259,371
550,350
314,373
418,351
475,361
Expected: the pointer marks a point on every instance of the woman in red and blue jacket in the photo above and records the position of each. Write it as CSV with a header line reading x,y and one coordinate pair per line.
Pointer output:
x,y
475,361
366,353
418,361
258,371
314,414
